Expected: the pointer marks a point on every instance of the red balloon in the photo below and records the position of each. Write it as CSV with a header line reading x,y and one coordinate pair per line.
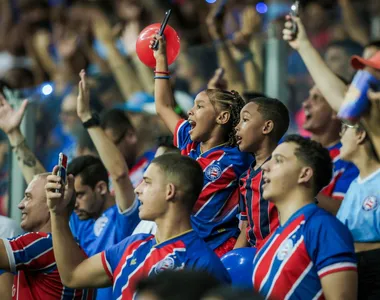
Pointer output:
x,y
145,54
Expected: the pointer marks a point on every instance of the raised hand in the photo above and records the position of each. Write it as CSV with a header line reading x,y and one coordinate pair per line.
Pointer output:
x,y
251,24
61,202
161,49
295,40
10,119
83,100
218,81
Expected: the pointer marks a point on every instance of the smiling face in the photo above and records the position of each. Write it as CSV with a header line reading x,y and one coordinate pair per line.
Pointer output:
x,y
251,128
202,118
34,210
152,194
318,112
281,173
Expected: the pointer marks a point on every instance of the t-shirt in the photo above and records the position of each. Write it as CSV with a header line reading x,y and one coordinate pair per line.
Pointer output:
x,y
214,214
309,246
360,209
261,215
344,173
140,255
110,228
31,256
9,228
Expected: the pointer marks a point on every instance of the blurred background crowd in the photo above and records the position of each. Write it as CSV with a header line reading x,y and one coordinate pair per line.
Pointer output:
x,y
45,43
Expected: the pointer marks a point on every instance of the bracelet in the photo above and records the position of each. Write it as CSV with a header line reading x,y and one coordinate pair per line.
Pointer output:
x,y
162,72
18,145
161,77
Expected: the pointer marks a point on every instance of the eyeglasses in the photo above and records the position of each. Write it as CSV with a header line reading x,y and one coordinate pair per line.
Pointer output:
x,y
346,125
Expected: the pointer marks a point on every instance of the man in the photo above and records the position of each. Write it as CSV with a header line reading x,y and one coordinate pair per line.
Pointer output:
x,y
171,186
311,254
263,122
324,126
31,255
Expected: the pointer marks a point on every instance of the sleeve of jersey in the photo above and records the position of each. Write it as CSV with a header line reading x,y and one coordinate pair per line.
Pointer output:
x,y
181,134
344,181
330,245
32,251
129,218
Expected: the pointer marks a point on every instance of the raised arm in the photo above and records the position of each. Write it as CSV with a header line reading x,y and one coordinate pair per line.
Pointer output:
x,y
110,155
162,89
75,269
371,120
10,121
332,88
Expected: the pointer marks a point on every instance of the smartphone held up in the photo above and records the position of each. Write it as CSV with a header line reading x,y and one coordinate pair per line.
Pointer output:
x,y
62,167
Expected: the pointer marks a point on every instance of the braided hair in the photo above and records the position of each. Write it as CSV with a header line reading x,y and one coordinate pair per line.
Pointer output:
x,y
232,102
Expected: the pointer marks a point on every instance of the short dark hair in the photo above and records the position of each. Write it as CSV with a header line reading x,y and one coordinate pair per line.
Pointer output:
x,y
233,292
181,284
185,172
350,47
90,169
166,141
116,120
316,156
273,109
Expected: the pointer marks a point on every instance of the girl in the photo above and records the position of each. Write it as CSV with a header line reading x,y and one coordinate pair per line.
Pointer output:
x,y
208,136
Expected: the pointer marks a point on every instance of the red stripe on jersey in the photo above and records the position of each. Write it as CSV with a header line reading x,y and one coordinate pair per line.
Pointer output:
x,y
288,275
137,166
27,240
145,267
232,202
265,261
132,247
334,153
44,260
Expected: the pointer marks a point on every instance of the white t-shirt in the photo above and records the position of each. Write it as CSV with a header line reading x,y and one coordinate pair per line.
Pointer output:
x,y
149,227
9,228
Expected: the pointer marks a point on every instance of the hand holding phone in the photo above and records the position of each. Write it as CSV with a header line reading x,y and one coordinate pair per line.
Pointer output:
x,y
162,28
295,13
62,165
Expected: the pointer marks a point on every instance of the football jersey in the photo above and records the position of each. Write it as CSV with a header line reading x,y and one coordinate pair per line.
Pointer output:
x,y
260,214
344,173
139,256
360,209
31,257
310,245
214,213
110,228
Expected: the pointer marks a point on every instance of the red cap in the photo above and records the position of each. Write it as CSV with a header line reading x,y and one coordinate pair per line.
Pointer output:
x,y
359,62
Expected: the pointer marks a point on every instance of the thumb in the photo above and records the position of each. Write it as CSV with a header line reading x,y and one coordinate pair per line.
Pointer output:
x,y
23,106
219,73
55,170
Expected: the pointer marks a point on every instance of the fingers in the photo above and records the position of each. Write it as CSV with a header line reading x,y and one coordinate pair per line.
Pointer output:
x,y
373,96
82,75
23,106
55,171
70,181
53,186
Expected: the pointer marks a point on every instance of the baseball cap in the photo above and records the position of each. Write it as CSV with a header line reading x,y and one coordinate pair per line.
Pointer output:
x,y
359,62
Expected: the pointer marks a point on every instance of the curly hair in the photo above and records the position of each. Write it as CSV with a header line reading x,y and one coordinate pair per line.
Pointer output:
x,y
232,102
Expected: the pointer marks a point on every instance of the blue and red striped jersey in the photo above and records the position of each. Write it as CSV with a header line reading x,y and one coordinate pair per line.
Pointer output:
x,y
344,173
31,256
260,214
310,245
215,212
139,256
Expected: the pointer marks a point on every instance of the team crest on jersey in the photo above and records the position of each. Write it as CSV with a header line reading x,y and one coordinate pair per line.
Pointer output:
x,y
100,224
213,172
168,263
370,203
285,249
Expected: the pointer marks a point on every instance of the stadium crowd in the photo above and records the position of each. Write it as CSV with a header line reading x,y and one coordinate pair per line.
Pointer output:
x,y
188,181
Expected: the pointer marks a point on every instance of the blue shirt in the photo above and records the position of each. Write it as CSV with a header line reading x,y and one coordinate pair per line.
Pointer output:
x,y
110,228
310,245
139,256
360,210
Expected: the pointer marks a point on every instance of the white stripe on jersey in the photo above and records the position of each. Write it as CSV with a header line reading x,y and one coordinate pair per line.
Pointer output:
x,y
336,266
316,297
29,245
36,257
296,284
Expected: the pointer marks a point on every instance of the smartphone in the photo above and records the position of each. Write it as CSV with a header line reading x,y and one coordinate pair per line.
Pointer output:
x,y
62,164
294,11
162,28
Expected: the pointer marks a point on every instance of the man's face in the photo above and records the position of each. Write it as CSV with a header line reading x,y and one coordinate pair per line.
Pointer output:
x,y
89,202
337,59
152,194
249,130
34,209
318,112
281,172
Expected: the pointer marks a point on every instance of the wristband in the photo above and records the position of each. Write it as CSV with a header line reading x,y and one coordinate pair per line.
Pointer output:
x,y
94,121
162,72
161,77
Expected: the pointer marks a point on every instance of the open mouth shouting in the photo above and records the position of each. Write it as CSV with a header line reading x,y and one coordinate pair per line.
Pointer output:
x,y
192,124
238,139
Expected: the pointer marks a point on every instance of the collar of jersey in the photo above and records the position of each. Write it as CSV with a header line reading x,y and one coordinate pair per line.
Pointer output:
x,y
171,238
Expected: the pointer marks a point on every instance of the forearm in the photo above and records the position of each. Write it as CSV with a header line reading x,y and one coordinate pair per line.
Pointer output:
x,y
6,282
332,88
253,69
27,161
67,253
124,74
144,74
351,21
242,239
